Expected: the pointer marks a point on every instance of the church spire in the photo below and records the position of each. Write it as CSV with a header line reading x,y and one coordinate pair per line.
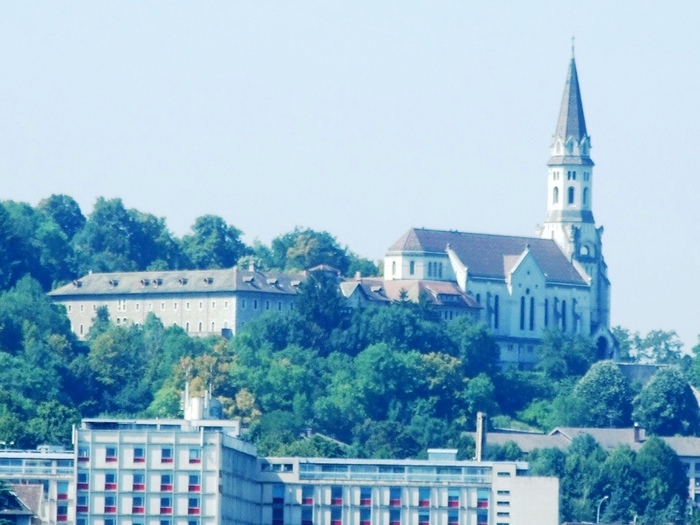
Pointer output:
x,y
571,121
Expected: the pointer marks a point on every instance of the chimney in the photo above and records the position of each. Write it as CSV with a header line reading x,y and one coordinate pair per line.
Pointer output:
x,y
637,433
251,266
480,434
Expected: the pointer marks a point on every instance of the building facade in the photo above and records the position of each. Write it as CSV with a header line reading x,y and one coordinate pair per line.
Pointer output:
x,y
526,285
202,302
168,472
44,480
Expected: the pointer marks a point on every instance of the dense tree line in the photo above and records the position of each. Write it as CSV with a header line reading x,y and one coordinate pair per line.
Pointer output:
x,y
321,379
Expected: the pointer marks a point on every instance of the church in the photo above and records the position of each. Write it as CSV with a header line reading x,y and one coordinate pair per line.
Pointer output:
x,y
556,279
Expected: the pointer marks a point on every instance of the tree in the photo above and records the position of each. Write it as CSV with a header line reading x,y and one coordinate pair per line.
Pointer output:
x,y
476,347
213,244
65,212
666,405
662,473
603,397
305,248
561,355
658,346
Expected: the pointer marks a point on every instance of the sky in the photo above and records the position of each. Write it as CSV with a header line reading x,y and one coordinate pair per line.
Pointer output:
x,y
365,119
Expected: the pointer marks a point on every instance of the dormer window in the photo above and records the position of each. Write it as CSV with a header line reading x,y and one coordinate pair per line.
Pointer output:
x,y
77,283
182,281
271,280
248,279
208,280
113,283
145,282
157,282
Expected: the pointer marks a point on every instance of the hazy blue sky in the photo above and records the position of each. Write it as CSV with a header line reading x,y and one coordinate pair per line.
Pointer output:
x,y
365,119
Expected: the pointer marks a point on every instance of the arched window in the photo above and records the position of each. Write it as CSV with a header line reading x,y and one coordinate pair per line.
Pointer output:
x,y
393,268
522,313
532,313
571,194
585,196
495,312
555,196
563,316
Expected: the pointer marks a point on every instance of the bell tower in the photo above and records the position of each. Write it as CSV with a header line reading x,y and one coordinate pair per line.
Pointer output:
x,y
569,220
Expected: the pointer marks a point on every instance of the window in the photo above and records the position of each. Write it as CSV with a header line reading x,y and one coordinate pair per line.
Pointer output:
x,y
279,306
495,312
307,495
585,196
187,305
199,326
166,453
138,307
277,493
193,505
336,495
393,268
213,305
110,481
307,514
165,522
546,313
394,517
139,481
267,305
555,196
225,305
166,482
174,306
139,455
395,496
242,304
162,306
81,503
255,304
430,269
365,496
452,517
137,505
522,313
83,483
412,267
187,326
453,497
193,483
563,316
571,195
110,504
111,454
365,516
109,521
166,505
424,497
62,490
201,305
81,329
195,455
532,314
336,515
423,517
503,492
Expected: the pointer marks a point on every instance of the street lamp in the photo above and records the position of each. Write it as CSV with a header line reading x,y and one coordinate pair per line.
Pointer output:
x,y
597,516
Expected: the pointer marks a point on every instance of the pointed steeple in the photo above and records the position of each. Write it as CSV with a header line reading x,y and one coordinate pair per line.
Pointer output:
x,y
571,121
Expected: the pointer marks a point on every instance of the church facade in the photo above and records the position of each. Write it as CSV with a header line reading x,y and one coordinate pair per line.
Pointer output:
x,y
555,280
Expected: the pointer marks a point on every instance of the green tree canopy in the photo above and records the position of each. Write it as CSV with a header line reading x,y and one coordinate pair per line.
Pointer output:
x,y
666,405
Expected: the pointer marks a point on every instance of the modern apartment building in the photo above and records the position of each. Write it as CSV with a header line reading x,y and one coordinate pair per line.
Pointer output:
x,y
438,491
43,480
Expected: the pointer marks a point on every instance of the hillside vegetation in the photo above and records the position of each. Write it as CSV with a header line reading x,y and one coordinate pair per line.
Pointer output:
x,y
321,379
